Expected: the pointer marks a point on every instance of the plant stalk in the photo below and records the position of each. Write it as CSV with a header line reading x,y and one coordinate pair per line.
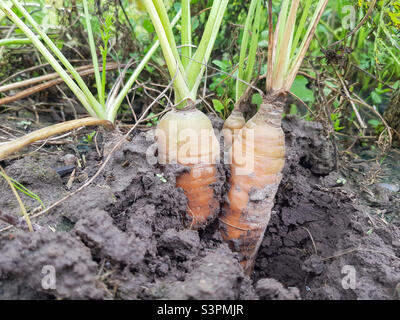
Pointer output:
x,y
88,100
112,109
13,146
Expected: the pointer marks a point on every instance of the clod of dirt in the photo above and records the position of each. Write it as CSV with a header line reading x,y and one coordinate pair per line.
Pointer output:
x,y
25,257
179,244
382,193
316,152
133,217
130,287
216,275
390,187
75,210
107,241
314,265
271,289
69,159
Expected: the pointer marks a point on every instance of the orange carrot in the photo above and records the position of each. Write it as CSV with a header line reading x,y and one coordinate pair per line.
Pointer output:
x,y
257,153
257,148
187,137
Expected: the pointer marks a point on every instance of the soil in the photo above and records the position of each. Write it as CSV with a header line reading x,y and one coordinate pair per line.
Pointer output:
x,y
125,236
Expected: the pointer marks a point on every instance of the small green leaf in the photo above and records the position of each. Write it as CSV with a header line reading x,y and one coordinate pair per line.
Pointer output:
x,y
148,26
256,99
341,181
221,64
376,98
218,106
299,88
293,109
263,44
374,122
161,177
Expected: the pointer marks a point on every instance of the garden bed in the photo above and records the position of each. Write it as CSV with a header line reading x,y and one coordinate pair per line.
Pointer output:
x,y
123,236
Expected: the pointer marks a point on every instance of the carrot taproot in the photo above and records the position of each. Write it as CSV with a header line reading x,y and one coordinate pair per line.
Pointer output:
x,y
187,137
257,149
257,153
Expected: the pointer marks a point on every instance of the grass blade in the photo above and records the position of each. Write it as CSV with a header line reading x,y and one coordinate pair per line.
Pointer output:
x,y
24,213
25,190
14,41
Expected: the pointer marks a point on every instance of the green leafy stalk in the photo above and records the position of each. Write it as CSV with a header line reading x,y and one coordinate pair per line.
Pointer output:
x,y
271,50
79,88
285,55
94,111
186,33
196,68
283,58
280,31
91,104
300,27
301,52
105,36
254,43
187,80
250,29
94,54
168,46
14,41
114,106
163,18
2,16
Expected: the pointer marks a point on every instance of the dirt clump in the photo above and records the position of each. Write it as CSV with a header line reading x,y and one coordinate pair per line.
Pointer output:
x,y
25,257
271,289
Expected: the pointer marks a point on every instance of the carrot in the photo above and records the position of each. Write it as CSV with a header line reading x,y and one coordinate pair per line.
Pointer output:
x,y
187,137
257,148
254,180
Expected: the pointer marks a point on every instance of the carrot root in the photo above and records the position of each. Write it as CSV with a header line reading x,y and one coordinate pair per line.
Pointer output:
x,y
187,137
257,153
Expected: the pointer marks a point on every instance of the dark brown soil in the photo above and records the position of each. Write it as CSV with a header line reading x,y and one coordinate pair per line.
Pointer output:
x,y
123,237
